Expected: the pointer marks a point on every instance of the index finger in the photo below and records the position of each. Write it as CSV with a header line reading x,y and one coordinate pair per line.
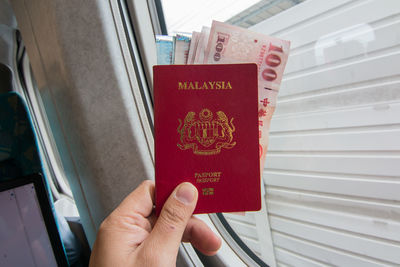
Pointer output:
x,y
141,200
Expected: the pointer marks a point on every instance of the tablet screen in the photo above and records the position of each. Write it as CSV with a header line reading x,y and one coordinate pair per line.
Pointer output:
x,y
23,233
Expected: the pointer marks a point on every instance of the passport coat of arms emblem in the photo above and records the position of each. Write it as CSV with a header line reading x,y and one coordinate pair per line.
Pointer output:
x,y
206,135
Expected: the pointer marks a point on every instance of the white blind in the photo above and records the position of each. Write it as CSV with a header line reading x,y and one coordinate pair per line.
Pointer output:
x,y
332,173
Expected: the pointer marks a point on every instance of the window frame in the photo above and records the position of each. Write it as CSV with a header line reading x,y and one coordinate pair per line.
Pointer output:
x,y
239,250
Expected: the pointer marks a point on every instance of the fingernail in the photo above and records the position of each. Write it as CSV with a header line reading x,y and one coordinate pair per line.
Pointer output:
x,y
186,193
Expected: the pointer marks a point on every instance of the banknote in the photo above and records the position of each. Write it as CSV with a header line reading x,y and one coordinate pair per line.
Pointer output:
x,y
182,44
203,39
231,44
165,46
193,46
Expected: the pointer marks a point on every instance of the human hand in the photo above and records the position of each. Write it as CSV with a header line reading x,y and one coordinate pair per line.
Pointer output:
x,y
133,236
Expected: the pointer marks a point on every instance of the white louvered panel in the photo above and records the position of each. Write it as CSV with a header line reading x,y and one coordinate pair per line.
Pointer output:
x,y
275,25
290,258
253,231
369,217
324,253
368,68
385,188
332,172
280,264
378,227
248,218
381,114
356,94
337,239
351,140
380,35
376,209
369,163
336,19
244,229
253,244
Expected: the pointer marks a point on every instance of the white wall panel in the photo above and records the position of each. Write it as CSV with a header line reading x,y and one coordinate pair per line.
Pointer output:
x,y
343,73
332,173
289,258
245,226
380,35
341,240
368,186
365,225
325,254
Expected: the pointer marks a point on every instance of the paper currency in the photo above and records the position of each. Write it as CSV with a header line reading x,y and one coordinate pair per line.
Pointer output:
x,y
225,44
231,44
193,46
165,49
182,44
201,47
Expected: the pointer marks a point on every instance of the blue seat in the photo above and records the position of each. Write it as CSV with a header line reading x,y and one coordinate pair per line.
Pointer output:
x,y
19,156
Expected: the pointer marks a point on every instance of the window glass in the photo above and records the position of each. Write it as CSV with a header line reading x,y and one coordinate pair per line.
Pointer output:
x,y
188,16
250,230
331,173
191,15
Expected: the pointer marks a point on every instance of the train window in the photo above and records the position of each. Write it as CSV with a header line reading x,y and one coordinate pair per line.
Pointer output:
x,y
51,162
47,148
330,177
249,232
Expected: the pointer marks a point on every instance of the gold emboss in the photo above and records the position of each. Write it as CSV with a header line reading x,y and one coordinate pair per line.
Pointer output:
x,y
206,135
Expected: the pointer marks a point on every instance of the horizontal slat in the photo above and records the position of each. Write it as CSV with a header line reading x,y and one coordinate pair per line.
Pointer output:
x,y
244,230
379,249
350,43
253,245
280,264
349,222
372,208
368,68
364,93
323,253
365,164
294,17
382,140
245,227
386,114
292,259
368,187
356,13
247,218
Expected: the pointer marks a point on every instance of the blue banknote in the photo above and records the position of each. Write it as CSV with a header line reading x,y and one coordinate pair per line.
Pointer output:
x,y
165,49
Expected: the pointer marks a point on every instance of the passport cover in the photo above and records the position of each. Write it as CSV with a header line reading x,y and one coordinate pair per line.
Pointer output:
x,y
206,133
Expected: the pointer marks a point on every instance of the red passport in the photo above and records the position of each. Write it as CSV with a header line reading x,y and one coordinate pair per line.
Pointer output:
x,y
206,133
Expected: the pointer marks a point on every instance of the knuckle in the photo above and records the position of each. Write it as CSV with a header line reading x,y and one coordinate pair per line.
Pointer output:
x,y
127,222
173,215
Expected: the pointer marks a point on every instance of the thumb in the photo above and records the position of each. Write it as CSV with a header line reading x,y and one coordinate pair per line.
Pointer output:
x,y
167,233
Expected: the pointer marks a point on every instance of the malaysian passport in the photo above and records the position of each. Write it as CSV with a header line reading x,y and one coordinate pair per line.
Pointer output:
x,y
206,133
